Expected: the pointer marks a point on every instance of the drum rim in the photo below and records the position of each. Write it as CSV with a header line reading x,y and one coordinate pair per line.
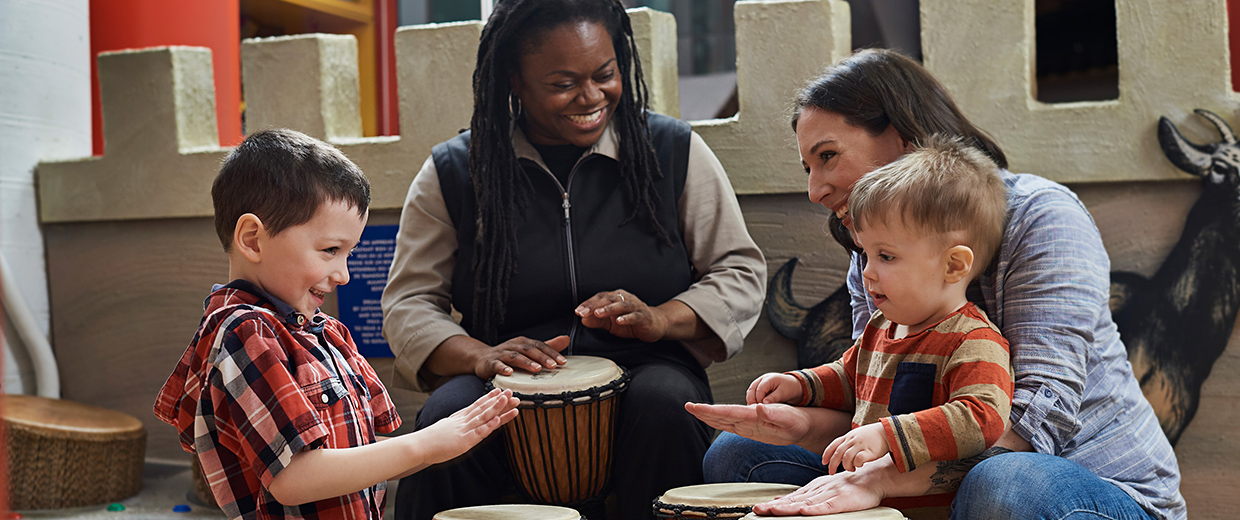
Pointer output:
x,y
572,397
709,511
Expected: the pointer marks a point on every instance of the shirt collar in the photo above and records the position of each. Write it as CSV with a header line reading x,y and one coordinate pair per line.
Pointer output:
x,y
284,311
608,145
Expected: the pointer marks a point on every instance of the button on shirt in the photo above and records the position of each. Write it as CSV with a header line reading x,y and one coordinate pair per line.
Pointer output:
x,y
1075,396
261,382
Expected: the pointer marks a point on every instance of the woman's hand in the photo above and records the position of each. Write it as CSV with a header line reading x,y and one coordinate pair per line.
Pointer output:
x,y
519,353
778,424
855,448
625,315
830,494
774,387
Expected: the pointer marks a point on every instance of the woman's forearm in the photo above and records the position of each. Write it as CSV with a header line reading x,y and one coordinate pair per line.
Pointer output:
x,y
682,324
457,355
825,426
945,476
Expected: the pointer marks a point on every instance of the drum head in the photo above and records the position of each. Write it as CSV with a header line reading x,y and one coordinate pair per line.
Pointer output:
x,y
579,373
726,495
510,512
877,513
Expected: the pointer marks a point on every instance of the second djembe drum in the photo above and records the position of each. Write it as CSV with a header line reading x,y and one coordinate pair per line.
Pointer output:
x,y
725,500
560,445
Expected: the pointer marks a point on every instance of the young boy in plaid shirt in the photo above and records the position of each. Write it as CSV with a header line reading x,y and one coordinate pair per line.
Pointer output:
x,y
930,377
272,396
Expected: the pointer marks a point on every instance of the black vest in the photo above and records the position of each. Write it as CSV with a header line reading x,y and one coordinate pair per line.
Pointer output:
x,y
562,262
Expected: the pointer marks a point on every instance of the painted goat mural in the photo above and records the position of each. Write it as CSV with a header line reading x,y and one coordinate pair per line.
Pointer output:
x,y
1175,323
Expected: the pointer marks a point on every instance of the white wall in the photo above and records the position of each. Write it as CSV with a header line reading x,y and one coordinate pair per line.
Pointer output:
x,y
44,114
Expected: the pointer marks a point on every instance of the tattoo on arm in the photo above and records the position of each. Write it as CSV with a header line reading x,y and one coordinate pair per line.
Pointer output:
x,y
949,473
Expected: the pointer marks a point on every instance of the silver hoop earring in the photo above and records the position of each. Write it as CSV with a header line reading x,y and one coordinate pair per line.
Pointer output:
x,y
514,107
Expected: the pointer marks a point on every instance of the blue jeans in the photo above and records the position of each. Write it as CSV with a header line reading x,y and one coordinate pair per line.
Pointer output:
x,y
732,458
1007,486
1036,485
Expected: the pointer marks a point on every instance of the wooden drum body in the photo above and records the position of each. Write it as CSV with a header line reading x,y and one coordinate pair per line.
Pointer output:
x,y
510,512
733,500
560,444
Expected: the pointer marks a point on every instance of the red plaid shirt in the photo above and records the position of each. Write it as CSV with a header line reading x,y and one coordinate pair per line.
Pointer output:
x,y
260,382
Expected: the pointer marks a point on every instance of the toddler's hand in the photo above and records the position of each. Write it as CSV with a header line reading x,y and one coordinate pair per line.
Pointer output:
x,y
454,435
855,448
771,388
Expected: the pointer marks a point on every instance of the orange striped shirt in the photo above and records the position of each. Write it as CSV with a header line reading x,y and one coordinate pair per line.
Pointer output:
x,y
942,394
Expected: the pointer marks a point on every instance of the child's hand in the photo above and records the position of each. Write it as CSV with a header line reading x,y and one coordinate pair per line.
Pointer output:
x,y
454,435
857,447
773,388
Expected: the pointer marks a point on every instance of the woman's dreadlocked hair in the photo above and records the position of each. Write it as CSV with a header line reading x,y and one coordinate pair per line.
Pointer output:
x,y
500,185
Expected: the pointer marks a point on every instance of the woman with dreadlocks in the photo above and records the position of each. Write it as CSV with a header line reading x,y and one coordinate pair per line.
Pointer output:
x,y
569,220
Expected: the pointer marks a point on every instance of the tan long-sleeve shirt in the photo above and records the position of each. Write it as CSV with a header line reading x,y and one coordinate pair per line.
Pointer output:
x,y
727,295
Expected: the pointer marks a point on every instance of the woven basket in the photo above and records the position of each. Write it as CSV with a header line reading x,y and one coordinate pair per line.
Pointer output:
x,y
65,454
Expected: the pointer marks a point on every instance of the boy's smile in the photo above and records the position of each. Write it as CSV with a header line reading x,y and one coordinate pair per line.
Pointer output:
x,y
303,263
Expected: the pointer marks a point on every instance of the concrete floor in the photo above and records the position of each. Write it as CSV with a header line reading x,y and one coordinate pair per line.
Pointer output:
x,y
164,486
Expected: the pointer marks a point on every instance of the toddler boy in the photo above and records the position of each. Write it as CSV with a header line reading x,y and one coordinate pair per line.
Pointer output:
x,y
271,395
930,377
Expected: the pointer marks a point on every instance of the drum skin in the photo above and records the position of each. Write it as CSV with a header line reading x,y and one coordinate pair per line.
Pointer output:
x,y
560,444
877,513
726,500
510,512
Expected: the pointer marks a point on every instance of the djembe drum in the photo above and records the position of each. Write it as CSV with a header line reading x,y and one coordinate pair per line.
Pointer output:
x,y
732,500
876,513
560,443
509,512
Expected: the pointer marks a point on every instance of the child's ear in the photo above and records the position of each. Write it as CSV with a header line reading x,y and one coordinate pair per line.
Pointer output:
x,y
246,237
959,263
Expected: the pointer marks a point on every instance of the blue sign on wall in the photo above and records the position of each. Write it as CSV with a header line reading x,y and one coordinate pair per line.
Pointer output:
x,y
359,299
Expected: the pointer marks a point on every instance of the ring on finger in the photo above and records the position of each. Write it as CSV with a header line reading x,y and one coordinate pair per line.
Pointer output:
x,y
621,296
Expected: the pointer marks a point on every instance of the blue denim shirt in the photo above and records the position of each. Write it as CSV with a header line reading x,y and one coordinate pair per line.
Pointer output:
x,y
1076,396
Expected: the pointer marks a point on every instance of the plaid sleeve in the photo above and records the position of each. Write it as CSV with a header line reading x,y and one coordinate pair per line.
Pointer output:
x,y
260,412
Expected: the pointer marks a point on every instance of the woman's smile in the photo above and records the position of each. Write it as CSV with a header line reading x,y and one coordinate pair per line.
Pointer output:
x,y
587,122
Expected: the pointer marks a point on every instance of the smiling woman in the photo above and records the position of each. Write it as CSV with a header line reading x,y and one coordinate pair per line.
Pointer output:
x,y
569,220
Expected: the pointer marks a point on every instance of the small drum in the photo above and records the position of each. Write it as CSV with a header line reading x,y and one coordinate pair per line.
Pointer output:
x,y
877,513
717,500
510,512
560,443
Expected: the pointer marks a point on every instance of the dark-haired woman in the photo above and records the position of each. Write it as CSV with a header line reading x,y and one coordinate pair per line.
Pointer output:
x,y
569,220
1083,443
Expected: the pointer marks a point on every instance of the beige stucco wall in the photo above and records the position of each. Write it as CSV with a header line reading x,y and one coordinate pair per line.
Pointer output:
x,y
132,253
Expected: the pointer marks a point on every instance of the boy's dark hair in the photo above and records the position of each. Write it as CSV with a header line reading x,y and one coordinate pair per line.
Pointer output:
x,y
282,176
502,190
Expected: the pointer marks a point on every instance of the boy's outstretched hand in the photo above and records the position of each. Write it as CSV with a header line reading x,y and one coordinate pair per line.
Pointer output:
x,y
772,388
454,435
857,447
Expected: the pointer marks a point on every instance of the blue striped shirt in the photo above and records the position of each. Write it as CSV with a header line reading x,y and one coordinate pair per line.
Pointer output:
x,y
1075,396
